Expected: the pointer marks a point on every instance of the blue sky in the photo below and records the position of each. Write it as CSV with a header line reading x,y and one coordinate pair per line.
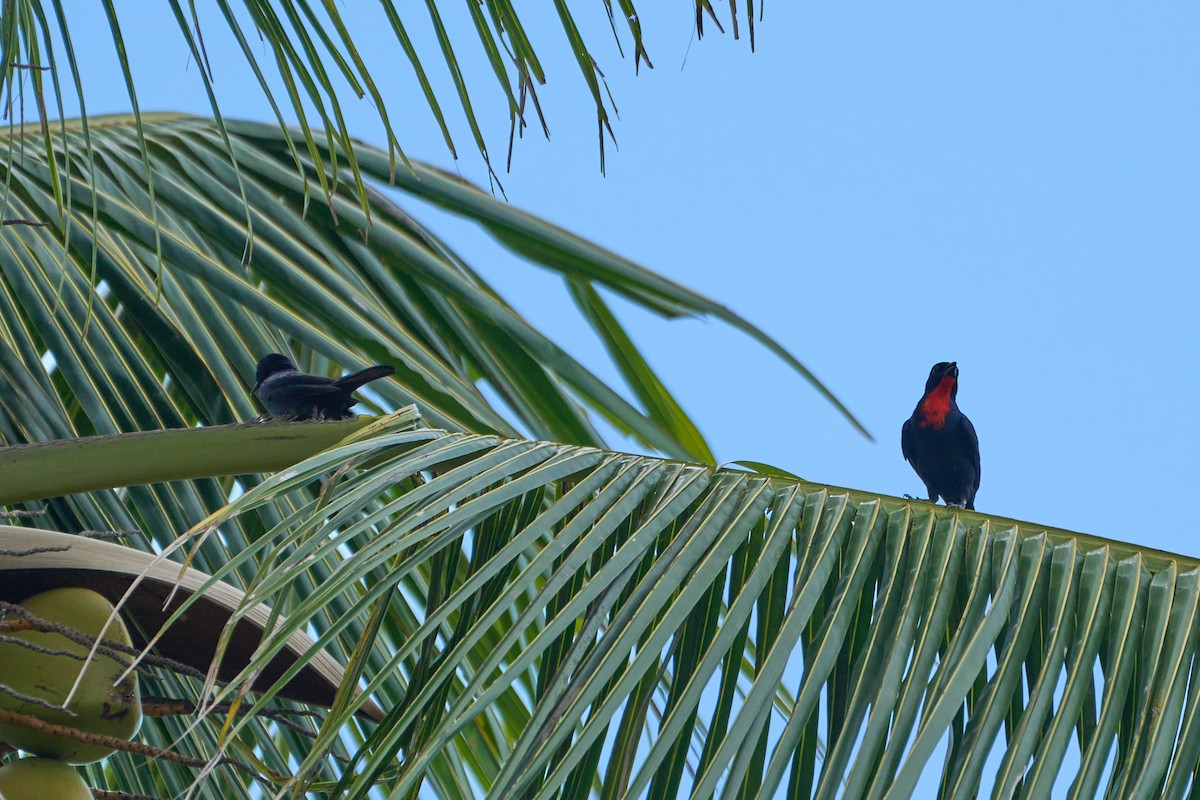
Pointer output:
x,y
1015,187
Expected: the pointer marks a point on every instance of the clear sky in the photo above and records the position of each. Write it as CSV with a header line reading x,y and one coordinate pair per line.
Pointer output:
x,y
1015,187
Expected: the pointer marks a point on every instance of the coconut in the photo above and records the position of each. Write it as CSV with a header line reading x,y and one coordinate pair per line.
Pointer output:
x,y
100,705
40,779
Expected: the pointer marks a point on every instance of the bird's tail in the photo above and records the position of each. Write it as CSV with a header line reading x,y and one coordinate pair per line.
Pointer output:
x,y
356,379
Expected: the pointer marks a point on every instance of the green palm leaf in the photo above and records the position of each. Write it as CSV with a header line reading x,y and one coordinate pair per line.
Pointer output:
x,y
568,608
292,272
317,62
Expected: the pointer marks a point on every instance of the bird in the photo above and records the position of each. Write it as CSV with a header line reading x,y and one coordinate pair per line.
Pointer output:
x,y
940,442
288,392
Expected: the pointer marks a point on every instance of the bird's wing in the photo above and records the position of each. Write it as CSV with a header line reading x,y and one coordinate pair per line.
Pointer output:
x,y
303,387
906,443
973,439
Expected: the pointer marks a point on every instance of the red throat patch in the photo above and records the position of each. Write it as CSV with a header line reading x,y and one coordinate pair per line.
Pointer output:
x,y
936,405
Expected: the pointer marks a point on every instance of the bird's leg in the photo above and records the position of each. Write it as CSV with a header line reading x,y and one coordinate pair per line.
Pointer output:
x,y
910,497
959,506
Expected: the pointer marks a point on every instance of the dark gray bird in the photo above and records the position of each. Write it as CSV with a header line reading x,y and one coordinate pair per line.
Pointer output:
x,y
940,442
288,392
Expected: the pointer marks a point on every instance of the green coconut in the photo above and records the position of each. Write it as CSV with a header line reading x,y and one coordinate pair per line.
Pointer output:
x,y
42,779
98,705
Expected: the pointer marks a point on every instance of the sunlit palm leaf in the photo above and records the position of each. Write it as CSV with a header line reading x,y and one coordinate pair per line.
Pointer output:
x,y
597,607
316,60
238,282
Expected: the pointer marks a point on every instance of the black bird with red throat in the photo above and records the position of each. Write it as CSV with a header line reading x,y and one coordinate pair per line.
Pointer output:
x,y
940,442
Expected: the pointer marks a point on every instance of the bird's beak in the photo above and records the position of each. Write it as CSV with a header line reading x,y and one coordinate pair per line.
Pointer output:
x,y
953,369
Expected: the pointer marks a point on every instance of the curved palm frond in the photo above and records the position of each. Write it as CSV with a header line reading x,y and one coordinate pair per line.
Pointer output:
x,y
557,620
290,271
313,55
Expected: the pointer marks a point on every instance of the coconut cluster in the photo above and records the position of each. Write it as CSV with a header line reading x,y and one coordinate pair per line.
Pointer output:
x,y
46,666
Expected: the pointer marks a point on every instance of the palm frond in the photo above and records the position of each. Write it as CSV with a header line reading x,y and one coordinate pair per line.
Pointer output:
x,y
316,60
603,622
291,272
